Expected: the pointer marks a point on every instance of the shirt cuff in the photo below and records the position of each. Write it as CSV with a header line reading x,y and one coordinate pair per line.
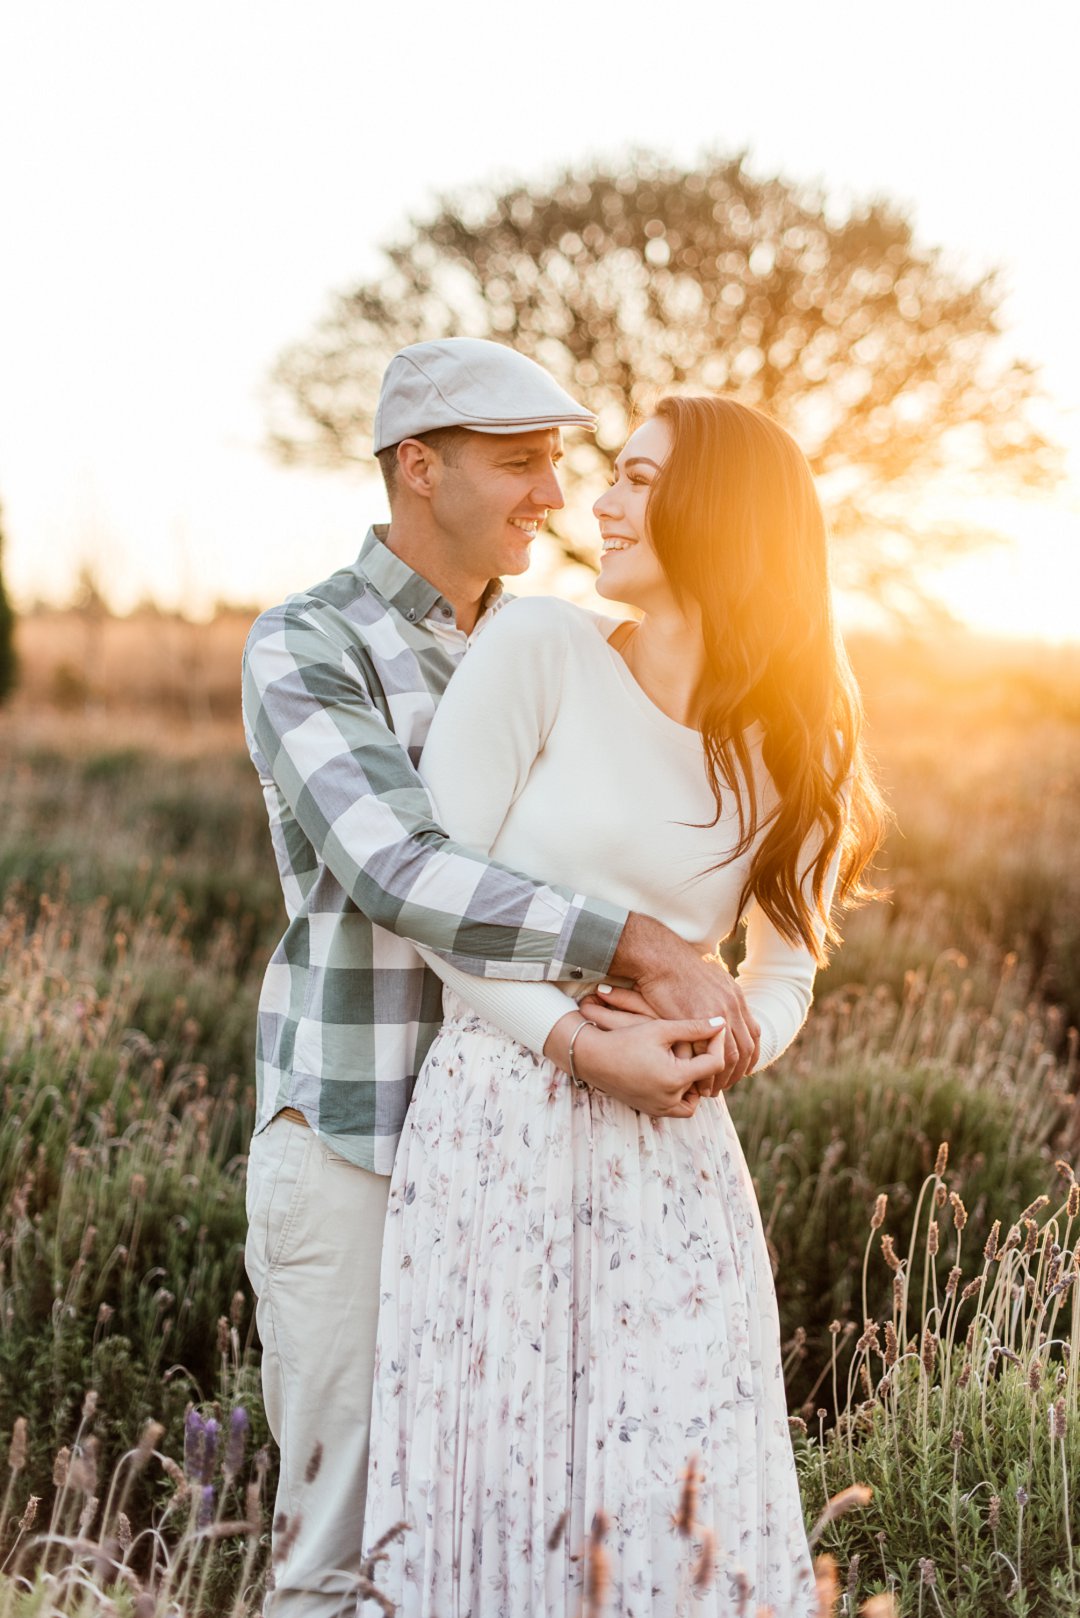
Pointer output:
x,y
589,938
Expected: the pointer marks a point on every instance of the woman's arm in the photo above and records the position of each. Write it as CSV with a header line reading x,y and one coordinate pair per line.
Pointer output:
x,y
777,978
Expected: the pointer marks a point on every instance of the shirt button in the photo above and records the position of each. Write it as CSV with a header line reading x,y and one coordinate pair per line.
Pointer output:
x,y
411,614
576,972
447,612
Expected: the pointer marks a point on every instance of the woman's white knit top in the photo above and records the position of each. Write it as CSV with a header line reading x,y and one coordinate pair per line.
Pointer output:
x,y
547,754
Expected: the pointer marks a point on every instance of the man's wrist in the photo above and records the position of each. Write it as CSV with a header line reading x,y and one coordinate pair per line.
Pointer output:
x,y
645,948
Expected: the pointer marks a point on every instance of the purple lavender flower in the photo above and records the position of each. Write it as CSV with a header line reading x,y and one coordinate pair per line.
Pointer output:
x,y
201,1436
239,1427
210,1448
206,1506
194,1443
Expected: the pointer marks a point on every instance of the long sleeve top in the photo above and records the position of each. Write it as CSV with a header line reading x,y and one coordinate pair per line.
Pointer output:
x,y
340,684
547,754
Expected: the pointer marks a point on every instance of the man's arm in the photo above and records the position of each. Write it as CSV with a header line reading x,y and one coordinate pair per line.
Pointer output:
x,y
354,797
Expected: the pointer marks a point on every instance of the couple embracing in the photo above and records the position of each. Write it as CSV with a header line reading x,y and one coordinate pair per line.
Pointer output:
x,y
502,1233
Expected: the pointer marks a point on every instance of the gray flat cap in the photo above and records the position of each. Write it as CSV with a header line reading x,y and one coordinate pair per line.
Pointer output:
x,y
469,382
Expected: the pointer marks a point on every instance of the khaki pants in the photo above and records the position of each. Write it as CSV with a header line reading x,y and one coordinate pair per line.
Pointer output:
x,y
314,1240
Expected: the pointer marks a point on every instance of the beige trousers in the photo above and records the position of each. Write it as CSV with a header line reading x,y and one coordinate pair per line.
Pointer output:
x,y
314,1240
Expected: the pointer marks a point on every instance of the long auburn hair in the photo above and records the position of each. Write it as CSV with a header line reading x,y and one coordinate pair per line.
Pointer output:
x,y
736,523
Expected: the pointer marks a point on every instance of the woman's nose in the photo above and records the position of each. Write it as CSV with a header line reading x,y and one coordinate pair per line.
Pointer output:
x,y
606,506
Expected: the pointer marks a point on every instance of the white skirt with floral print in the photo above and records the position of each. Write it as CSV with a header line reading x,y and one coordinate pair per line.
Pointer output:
x,y
576,1302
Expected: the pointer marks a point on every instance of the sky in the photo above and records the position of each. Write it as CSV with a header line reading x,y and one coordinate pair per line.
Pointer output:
x,y
182,188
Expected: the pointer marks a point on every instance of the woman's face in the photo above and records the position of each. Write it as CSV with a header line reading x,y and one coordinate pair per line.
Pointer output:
x,y
629,567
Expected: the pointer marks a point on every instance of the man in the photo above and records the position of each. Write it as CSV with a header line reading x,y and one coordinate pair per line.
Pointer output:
x,y
340,683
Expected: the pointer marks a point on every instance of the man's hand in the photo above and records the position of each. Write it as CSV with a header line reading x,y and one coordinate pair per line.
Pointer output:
x,y
638,1064
676,982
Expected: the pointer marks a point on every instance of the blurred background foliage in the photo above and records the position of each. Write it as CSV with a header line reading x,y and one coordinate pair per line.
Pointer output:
x,y
880,355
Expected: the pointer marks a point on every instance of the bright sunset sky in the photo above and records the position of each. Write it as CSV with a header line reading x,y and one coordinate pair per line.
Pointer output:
x,y
181,187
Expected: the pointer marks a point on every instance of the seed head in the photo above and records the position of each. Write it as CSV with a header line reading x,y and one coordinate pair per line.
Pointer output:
x,y
933,1240
927,1570
993,1513
959,1212
971,1289
149,1439
990,1250
236,1308
556,1536
688,1498
1032,1238
703,1568
61,1464
892,1347
597,1568
953,1282
929,1351
29,1516
957,1441
123,1530
898,1291
223,1334
888,1252
17,1451
1072,1204
1035,1376
84,1467
1022,1496
965,1375
869,1339
942,1159
1035,1207
877,1218
91,1401
1057,1419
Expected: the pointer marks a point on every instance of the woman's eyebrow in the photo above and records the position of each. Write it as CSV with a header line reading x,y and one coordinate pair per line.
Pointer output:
x,y
642,460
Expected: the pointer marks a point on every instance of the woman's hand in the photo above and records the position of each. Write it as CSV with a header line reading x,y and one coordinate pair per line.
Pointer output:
x,y
636,1061
626,1008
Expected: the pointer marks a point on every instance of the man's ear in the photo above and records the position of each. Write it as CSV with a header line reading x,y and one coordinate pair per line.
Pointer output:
x,y
418,467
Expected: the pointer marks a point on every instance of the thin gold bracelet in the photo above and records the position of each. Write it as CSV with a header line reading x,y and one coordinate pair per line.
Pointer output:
x,y
584,1023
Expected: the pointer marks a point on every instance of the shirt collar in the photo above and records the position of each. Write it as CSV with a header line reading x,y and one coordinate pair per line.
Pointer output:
x,y
407,592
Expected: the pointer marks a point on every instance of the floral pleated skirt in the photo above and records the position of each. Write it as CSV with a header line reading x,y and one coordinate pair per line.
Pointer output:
x,y
576,1304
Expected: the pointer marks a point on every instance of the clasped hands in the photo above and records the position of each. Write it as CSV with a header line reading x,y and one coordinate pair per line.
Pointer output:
x,y
650,1052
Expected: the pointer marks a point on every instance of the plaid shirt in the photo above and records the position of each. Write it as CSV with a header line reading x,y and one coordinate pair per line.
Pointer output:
x,y
340,685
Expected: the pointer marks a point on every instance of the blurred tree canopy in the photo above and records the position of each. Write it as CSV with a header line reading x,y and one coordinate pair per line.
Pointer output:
x,y
9,667
625,283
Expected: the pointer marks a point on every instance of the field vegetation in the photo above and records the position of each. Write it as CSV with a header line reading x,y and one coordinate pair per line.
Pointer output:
x,y
914,1154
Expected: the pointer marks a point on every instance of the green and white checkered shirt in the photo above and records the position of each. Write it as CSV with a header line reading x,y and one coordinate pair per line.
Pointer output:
x,y
340,685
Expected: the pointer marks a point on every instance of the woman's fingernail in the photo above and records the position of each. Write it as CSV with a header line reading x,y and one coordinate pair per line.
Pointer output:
x,y
603,988
717,1022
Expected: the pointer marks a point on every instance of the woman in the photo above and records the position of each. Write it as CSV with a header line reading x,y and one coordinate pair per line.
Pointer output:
x,y
576,1294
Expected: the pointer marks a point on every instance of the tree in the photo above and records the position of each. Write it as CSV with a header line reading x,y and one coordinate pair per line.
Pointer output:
x,y
883,360
9,667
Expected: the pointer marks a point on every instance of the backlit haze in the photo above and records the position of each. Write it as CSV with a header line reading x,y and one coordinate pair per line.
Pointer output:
x,y
182,187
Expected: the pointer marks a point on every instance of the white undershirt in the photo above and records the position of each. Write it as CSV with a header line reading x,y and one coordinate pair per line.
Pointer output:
x,y
546,754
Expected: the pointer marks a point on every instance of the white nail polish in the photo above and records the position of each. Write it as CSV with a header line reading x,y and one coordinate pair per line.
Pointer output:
x,y
717,1022
603,988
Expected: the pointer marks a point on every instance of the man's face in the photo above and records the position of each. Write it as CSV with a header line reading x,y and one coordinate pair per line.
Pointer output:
x,y
491,500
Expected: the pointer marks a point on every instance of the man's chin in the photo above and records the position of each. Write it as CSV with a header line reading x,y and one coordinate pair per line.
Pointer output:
x,y
517,559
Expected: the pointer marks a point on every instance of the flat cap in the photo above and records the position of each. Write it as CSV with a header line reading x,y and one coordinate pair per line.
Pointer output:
x,y
470,382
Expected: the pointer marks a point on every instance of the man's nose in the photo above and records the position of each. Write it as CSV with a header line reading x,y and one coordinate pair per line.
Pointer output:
x,y
547,492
